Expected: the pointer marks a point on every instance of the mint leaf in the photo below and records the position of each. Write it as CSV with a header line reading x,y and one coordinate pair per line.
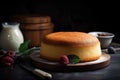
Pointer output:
x,y
24,46
73,59
28,51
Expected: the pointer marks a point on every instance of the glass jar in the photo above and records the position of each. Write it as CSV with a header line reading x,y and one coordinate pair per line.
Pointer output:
x,y
11,36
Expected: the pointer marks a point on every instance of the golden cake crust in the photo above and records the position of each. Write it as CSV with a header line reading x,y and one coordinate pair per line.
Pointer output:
x,y
84,45
74,39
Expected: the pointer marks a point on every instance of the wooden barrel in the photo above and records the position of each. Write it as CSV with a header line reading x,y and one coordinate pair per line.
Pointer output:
x,y
31,18
34,27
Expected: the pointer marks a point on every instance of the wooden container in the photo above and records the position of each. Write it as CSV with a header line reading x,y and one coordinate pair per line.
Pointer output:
x,y
31,18
34,27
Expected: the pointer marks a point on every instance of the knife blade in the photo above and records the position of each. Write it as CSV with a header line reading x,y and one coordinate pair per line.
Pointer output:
x,y
37,72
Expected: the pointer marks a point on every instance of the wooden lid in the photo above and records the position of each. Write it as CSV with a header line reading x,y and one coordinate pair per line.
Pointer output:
x,y
37,26
31,18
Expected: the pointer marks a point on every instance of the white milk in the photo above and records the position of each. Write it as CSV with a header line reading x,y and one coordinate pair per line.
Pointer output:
x,y
11,36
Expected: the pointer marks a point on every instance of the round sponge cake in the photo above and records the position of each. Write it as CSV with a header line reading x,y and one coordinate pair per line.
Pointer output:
x,y
84,45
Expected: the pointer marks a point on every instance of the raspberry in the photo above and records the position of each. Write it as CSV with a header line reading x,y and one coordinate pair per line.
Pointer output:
x,y
10,53
64,59
7,61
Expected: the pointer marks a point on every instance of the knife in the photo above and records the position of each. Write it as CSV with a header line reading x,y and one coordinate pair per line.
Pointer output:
x,y
37,72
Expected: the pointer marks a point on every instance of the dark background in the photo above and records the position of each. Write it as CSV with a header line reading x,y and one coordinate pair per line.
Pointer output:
x,y
73,15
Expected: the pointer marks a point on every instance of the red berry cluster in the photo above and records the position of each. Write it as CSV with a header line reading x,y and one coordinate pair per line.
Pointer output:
x,y
103,34
7,57
69,59
64,59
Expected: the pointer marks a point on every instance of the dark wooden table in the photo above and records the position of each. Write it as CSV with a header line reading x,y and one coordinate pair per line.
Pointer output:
x,y
111,72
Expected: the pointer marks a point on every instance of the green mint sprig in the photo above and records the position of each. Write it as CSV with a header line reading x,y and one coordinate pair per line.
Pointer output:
x,y
24,48
73,59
